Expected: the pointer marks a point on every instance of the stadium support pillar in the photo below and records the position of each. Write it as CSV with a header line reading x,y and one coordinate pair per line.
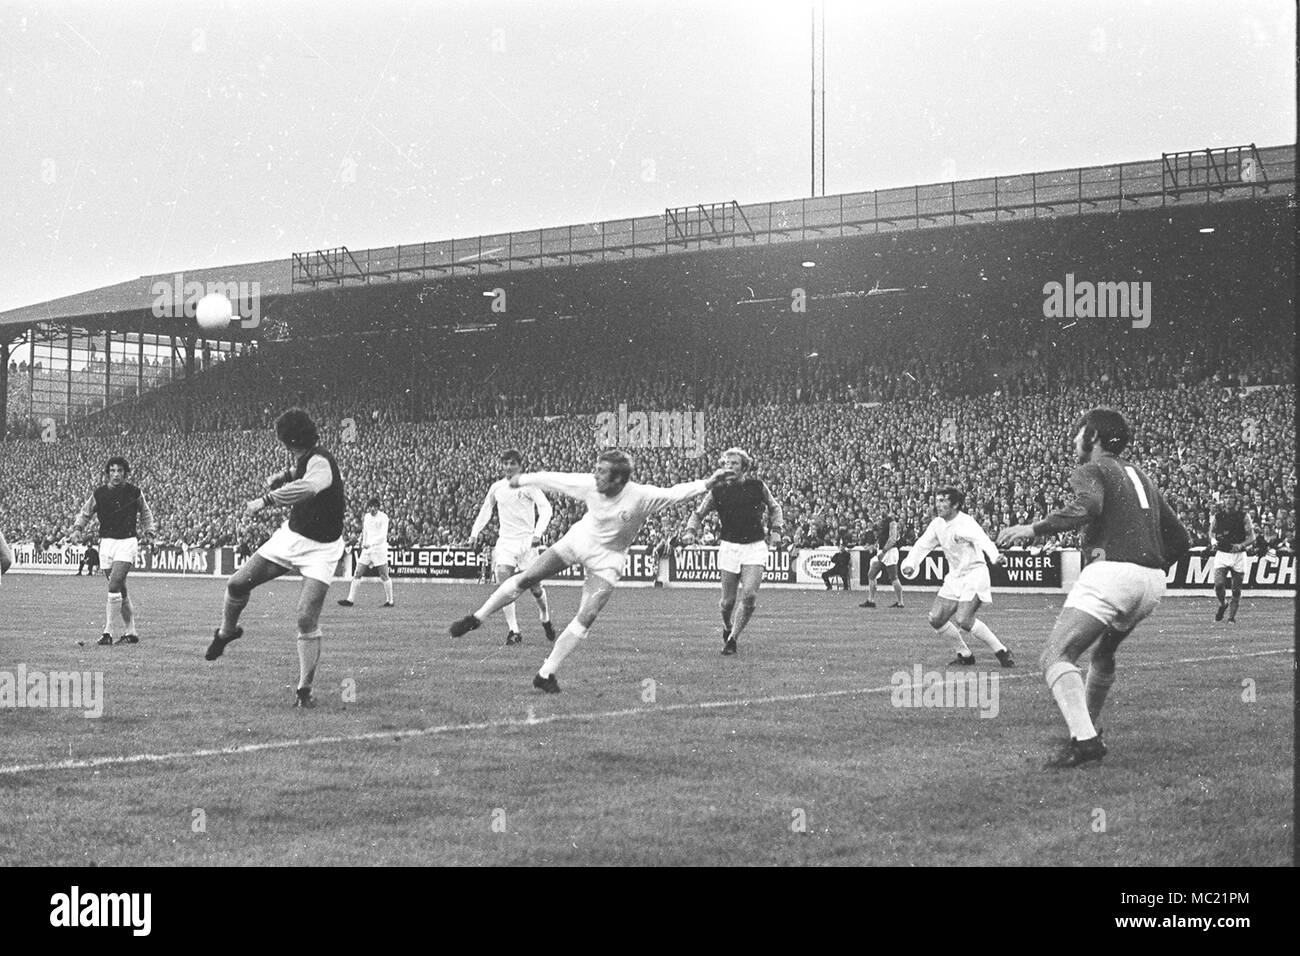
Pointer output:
x,y
4,388
187,387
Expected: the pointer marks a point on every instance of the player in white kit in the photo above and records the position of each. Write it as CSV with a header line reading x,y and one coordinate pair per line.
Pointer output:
x,y
523,514
374,554
616,509
967,584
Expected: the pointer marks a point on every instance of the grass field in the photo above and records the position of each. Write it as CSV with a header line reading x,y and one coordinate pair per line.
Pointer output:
x,y
790,753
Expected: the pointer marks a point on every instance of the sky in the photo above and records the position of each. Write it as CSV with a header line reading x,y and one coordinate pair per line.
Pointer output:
x,y
149,136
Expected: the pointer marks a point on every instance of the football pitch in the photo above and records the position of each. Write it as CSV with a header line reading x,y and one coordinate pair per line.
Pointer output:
x,y
430,751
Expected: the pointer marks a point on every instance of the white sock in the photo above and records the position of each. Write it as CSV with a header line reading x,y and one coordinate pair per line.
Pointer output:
x,y
114,603
388,590
953,633
354,590
512,617
565,643
308,657
543,606
981,630
1066,684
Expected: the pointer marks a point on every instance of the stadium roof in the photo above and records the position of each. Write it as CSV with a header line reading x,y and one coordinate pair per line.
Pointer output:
x,y
1201,176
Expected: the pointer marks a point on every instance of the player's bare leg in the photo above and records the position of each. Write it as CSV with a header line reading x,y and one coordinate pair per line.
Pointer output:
x,y
596,592
972,626
310,600
941,612
873,572
1221,592
727,603
255,572
1074,633
547,564
355,588
505,572
543,611
1237,580
119,601
751,576
1101,672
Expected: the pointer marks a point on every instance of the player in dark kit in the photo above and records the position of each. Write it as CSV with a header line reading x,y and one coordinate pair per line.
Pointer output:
x,y
1130,537
122,513
742,553
885,561
310,543
1231,532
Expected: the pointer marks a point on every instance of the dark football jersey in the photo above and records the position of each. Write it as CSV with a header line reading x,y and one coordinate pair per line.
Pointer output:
x,y
1123,515
321,517
117,509
741,505
1229,529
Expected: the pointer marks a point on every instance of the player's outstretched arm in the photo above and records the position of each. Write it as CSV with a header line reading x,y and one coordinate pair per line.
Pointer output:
x,y
315,479
6,554
924,545
1089,497
775,516
696,520
569,484
84,515
1175,537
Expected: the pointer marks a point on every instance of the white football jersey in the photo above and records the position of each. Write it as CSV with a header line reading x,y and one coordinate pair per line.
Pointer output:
x,y
613,523
523,512
963,541
374,529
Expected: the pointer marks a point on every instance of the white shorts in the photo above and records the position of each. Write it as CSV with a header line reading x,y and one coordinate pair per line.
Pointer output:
x,y
598,561
887,558
312,559
376,556
732,556
1231,562
1117,593
118,549
517,553
974,583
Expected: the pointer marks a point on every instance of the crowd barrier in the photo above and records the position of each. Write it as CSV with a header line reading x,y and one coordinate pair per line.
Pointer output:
x,y
1025,571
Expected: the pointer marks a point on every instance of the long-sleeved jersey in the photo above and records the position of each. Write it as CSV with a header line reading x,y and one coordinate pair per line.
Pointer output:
x,y
523,512
1123,515
963,541
374,530
613,523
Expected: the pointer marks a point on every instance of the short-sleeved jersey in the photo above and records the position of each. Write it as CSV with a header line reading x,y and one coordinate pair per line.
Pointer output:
x,y
522,512
1123,515
964,544
741,505
613,523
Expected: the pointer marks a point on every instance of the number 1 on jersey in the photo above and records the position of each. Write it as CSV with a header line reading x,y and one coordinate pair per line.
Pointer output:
x,y
1137,486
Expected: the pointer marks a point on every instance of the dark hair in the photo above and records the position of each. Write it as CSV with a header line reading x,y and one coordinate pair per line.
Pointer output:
x,y
372,503
117,460
511,456
622,464
956,497
1107,427
296,428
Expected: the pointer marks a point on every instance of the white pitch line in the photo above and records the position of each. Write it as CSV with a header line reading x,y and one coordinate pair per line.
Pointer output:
x,y
532,720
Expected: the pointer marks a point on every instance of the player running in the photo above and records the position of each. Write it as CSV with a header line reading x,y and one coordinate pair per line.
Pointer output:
x,y
374,554
524,514
1231,532
967,585
742,551
885,561
122,512
616,509
1130,536
310,543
